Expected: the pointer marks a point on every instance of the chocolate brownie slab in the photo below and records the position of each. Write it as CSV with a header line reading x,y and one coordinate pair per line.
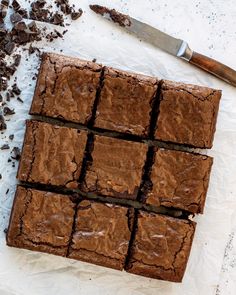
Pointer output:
x,y
179,179
66,88
41,221
52,155
116,167
187,114
102,234
161,247
125,102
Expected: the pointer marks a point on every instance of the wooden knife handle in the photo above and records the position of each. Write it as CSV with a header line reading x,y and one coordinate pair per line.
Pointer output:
x,y
214,67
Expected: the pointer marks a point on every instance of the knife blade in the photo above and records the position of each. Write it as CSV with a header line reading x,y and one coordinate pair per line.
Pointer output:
x,y
171,45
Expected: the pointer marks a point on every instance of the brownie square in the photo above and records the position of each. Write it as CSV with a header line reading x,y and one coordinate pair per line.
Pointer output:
x,y
102,234
179,179
125,102
41,221
187,114
66,88
161,247
116,167
52,155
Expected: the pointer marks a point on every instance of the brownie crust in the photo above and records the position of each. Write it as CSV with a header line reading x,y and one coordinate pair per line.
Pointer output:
x,y
187,114
179,180
41,221
116,168
66,88
52,155
102,234
125,102
161,247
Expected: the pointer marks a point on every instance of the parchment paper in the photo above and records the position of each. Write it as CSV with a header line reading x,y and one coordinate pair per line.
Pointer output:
x,y
209,27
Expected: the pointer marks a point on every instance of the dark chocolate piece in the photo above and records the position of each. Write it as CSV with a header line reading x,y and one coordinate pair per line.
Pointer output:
x,y
187,114
116,168
102,234
179,180
161,247
66,88
52,155
41,221
125,102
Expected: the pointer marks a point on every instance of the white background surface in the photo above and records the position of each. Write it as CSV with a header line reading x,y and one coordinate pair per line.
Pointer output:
x,y
210,28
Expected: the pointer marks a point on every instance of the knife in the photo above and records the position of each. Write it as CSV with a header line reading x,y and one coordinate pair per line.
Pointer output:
x,y
176,47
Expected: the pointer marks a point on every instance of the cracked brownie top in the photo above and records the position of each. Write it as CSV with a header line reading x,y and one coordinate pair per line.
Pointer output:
x,y
179,180
125,102
41,221
102,233
161,246
187,114
116,167
52,155
66,88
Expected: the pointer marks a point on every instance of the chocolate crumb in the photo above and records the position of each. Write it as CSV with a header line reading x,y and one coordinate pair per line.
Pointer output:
x,y
16,153
5,147
11,136
3,125
20,100
0,176
7,191
15,89
7,111
76,15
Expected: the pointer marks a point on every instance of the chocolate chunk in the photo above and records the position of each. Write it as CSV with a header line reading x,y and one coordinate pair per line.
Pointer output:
x,y
11,136
16,6
76,15
9,47
16,89
7,111
23,12
16,153
15,18
0,176
57,19
5,147
20,26
17,59
3,125
20,100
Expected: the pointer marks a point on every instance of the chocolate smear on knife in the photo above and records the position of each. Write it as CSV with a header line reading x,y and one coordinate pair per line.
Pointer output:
x,y
117,17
